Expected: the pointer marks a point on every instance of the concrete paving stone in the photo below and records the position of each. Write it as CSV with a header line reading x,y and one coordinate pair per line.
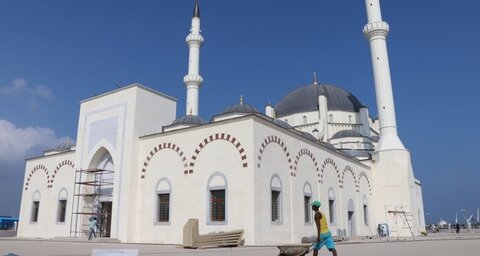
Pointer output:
x,y
446,244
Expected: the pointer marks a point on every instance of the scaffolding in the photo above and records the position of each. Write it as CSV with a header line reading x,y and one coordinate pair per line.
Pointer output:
x,y
405,217
92,195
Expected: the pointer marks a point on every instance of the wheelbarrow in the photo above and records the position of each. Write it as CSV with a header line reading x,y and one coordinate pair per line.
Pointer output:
x,y
295,249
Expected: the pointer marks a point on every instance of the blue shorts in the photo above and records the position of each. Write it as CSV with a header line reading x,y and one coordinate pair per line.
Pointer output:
x,y
327,240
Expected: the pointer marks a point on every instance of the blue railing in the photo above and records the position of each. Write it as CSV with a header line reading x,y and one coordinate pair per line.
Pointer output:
x,y
7,222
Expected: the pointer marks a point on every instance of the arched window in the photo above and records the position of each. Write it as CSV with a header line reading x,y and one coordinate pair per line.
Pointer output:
x,y
304,119
35,207
62,206
276,199
307,200
365,210
217,199
163,192
331,205
349,119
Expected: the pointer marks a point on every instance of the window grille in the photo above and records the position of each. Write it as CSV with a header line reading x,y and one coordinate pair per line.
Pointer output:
x,y
275,205
163,210
62,208
365,214
217,205
331,210
308,211
35,209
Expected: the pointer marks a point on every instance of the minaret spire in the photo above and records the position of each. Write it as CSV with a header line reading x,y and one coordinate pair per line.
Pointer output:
x,y
376,32
196,10
193,80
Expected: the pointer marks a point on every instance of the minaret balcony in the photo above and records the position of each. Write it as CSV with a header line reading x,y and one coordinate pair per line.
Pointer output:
x,y
376,30
192,79
194,39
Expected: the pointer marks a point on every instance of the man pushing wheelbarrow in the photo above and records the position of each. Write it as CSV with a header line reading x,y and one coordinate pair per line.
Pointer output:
x,y
324,237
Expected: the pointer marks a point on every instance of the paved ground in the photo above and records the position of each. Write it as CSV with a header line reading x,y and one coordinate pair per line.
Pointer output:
x,y
445,244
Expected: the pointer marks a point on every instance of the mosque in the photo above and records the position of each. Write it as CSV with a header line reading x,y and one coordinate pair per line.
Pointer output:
x,y
144,172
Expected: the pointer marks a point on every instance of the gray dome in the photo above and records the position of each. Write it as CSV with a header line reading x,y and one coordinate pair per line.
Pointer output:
x,y
328,145
189,120
282,124
358,153
65,146
346,134
309,136
305,99
240,108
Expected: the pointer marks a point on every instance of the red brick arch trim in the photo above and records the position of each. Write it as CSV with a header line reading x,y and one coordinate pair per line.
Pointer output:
x,y
345,170
35,169
160,147
219,136
307,152
327,162
277,140
363,174
60,165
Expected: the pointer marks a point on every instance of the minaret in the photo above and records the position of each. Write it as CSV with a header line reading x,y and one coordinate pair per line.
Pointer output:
x,y
393,183
376,32
193,80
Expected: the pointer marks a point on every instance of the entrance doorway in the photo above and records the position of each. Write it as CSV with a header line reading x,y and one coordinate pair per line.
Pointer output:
x,y
351,218
350,224
106,219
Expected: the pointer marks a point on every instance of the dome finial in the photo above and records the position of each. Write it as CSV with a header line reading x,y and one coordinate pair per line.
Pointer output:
x,y
241,99
190,111
196,10
315,78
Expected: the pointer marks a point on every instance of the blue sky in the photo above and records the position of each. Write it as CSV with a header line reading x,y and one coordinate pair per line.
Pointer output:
x,y
56,53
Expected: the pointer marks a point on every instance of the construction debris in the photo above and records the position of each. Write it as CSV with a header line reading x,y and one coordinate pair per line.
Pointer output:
x,y
192,239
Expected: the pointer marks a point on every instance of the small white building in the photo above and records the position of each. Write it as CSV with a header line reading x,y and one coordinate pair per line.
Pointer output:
x,y
144,173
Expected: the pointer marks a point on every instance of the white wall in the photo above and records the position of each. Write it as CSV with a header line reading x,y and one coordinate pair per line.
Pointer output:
x,y
395,190
274,160
233,150
46,177
113,122
218,159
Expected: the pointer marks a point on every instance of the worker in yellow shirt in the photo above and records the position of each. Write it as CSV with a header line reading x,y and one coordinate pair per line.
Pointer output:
x,y
324,237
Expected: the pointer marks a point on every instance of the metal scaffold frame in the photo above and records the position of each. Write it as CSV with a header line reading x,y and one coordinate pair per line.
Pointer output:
x,y
88,194
406,218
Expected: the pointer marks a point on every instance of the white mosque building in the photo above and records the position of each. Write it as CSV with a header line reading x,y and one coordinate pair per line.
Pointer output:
x,y
144,173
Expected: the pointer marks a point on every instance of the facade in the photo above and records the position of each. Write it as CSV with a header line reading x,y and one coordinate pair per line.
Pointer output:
x,y
144,173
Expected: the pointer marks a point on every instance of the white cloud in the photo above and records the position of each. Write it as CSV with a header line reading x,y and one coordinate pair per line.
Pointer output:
x,y
20,87
16,143
43,91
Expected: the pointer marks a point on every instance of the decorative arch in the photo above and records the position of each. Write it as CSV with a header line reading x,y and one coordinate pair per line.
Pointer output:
x,y
364,175
306,151
327,162
35,169
307,189
277,140
63,193
348,169
162,181
60,165
98,151
160,147
218,136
